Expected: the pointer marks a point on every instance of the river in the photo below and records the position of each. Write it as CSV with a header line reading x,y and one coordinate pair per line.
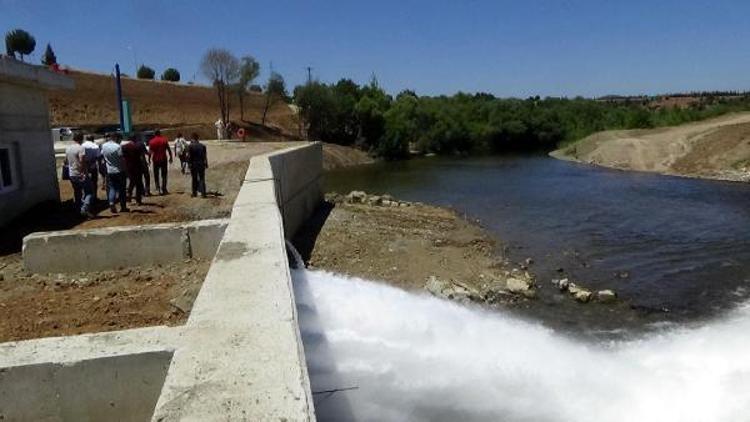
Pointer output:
x,y
675,250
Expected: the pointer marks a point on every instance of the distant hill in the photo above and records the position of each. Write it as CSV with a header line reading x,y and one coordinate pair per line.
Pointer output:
x,y
156,104
717,148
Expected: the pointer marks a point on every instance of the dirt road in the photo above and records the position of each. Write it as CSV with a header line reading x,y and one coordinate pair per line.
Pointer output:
x,y
715,149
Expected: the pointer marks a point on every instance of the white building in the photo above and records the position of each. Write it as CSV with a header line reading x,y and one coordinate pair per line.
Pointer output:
x,y
27,159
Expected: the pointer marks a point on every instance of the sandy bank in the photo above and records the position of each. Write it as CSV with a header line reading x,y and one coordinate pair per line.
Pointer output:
x,y
713,149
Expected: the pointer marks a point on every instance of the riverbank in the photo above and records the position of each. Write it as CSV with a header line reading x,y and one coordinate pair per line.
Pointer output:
x,y
420,247
712,149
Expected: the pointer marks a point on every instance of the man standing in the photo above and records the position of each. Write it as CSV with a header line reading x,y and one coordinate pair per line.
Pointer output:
x,y
75,158
198,159
159,147
133,153
93,156
112,153
180,148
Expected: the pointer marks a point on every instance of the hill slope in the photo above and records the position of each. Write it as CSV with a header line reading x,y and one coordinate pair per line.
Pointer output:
x,y
715,149
155,103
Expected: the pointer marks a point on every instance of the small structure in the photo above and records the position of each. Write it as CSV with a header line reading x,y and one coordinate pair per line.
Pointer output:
x,y
27,159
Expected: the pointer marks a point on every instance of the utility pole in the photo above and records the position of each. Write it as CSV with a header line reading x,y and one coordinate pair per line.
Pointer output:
x,y
309,75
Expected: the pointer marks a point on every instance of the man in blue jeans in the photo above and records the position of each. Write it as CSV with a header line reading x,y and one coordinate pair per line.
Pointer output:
x,y
75,158
116,176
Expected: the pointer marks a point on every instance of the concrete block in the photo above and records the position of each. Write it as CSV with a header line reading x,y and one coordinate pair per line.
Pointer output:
x,y
114,247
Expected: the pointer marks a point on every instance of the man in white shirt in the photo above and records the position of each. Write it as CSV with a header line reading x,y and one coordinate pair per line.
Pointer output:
x,y
180,149
93,155
75,159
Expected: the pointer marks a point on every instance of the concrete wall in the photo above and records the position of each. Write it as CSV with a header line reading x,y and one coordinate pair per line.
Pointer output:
x,y
298,174
120,388
24,127
126,246
245,361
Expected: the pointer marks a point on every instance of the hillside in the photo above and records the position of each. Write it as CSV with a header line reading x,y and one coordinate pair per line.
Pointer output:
x,y
156,104
714,149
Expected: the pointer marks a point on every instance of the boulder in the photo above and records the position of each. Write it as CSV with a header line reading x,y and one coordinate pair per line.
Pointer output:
x,y
561,284
521,285
452,290
356,197
606,296
579,293
374,200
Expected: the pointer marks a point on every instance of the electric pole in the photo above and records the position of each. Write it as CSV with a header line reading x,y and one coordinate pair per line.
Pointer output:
x,y
309,75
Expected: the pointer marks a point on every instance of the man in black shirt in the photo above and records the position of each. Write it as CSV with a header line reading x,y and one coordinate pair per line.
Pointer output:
x,y
198,161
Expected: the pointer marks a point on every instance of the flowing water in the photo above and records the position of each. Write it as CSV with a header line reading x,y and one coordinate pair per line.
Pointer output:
x,y
418,358
674,249
399,356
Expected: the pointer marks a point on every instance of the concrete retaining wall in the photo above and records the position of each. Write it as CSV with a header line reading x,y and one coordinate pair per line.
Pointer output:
x,y
113,247
245,360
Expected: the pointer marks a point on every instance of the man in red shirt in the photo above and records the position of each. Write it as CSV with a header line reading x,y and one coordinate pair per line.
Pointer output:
x,y
159,147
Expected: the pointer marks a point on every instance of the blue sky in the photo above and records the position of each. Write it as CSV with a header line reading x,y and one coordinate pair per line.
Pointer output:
x,y
509,48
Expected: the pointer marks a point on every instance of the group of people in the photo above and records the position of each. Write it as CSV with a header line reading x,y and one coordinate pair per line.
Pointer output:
x,y
125,168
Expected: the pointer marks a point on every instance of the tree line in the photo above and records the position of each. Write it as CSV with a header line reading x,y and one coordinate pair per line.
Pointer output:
x,y
393,127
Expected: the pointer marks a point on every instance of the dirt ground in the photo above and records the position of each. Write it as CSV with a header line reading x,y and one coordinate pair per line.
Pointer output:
x,y
403,246
715,149
50,305
156,103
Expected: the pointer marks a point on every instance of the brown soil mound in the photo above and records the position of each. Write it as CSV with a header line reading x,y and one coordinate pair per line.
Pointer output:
x,y
156,103
717,149
36,305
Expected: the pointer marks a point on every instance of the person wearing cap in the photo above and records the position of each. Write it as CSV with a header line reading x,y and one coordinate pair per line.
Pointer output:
x,y
159,147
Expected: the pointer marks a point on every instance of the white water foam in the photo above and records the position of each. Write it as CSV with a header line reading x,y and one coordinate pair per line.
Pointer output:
x,y
418,358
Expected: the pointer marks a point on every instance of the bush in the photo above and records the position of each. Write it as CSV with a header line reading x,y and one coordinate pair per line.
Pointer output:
x,y
19,41
145,72
171,74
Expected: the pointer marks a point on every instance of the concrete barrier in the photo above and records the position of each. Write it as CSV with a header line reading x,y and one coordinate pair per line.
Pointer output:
x,y
244,359
239,356
126,246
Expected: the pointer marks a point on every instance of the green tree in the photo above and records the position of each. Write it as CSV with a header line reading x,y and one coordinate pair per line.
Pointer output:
x,y
19,41
49,57
171,74
275,91
248,71
145,72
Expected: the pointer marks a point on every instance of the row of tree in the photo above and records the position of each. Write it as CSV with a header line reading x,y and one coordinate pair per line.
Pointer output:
x,y
366,116
170,74
22,43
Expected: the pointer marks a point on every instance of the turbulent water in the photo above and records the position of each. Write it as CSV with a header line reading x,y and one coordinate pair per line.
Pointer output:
x,y
418,358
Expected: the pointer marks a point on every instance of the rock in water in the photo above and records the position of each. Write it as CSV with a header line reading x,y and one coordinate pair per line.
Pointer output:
x,y
606,296
522,286
579,293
